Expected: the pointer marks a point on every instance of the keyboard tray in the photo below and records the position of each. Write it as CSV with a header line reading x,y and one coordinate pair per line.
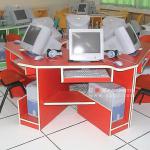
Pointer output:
x,y
86,75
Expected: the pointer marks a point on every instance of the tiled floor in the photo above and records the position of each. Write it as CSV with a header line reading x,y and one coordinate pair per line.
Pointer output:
x,y
70,131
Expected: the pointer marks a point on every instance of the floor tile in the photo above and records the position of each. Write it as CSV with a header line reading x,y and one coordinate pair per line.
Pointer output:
x,y
139,125
13,100
38,144
12,134
85,136
67,118
2,88
142,143
127,147
8,109
146,70
143,108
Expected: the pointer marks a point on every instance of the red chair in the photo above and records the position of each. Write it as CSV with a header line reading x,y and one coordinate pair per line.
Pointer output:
x,y
11,37
145,38
10,79
143,82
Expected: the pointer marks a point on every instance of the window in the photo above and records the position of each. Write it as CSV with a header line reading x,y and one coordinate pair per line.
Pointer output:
x,y
134,3
143,3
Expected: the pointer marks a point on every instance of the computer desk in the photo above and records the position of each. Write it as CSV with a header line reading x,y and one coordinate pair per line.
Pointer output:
x,y
53,89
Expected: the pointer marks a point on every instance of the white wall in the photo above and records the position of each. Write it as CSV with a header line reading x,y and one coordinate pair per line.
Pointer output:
x,y
52,4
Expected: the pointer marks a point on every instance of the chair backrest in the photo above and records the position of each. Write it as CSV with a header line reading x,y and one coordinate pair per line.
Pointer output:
x,y
140,18
12,37
41,12
143,81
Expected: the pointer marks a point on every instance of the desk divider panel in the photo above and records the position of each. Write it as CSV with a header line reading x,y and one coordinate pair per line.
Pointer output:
x,y
48,85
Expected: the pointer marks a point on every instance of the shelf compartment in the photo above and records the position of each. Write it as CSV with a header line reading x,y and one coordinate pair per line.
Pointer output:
x,y
86,75
69,98
119,123
29,118
29,124
25,118
120,128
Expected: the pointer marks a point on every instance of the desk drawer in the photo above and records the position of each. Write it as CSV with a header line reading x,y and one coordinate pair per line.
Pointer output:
x,y
30,71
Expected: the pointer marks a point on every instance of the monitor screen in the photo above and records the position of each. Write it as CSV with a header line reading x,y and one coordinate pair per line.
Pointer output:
x,y
82,8
20,14
132,34
86,44
32,34
35,38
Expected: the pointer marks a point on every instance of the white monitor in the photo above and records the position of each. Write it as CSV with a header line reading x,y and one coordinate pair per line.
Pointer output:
x,y
48,22
36,38
112,44
128,39
45,21
86,44
17,16
78,21
82,8
110,23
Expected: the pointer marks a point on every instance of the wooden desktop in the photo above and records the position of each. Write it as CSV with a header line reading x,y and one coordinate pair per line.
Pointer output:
x,y
53,89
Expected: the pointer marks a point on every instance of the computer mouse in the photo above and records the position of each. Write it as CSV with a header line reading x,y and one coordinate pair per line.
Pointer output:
x,y
118,63
17,42
38,57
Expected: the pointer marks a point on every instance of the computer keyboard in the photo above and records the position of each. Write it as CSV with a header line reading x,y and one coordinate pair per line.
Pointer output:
x,y
83,73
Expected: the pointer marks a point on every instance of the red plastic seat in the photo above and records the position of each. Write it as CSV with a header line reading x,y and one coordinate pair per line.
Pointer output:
x,y
11,37
10,79
143,82
145,38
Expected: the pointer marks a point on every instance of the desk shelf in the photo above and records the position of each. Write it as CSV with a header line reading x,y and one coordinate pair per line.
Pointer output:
x,y
24,117
69,98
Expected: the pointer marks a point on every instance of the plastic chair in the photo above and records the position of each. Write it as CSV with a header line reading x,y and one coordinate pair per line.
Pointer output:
x,y
42,12
10,79
143,82
145,38
140,18
12,37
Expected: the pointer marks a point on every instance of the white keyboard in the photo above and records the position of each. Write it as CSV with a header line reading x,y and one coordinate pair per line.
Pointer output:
x,y
83,73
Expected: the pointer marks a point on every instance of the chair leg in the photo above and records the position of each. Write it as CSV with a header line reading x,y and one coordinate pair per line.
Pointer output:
x,y
4,98
141,99
138,93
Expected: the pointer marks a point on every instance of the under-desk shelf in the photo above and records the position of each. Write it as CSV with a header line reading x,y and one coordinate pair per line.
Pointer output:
x,y
69,98
86,75
29,118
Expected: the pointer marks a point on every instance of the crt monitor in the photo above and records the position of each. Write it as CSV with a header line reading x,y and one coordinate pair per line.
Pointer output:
x,y
86,44
128,39
82,8
36,38
78,21
110,24
17,15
